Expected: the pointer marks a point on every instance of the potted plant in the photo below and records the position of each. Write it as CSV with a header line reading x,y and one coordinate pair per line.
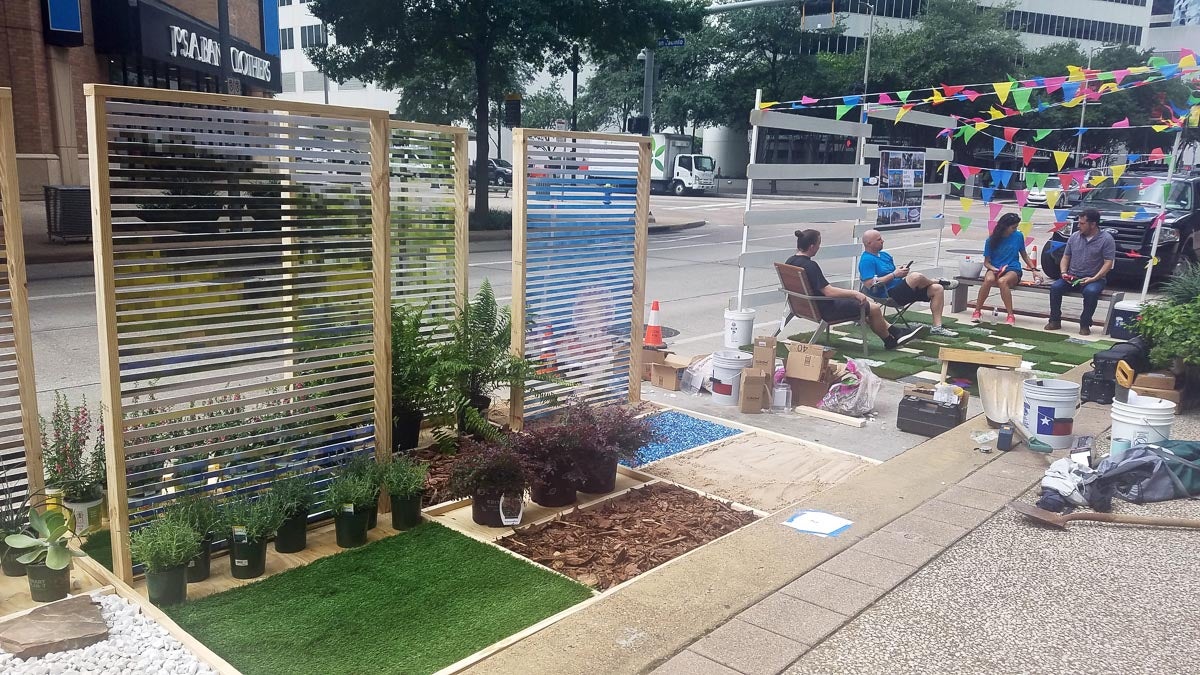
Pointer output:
x,y
404,479
349,497
251,521
47,558
14,519
204,518
414,361
369,470
493,476
74,473
165,547
294,495
550,452
617,432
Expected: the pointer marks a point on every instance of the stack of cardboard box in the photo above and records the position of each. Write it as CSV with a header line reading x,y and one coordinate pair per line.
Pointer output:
x,y
666,370
1159,384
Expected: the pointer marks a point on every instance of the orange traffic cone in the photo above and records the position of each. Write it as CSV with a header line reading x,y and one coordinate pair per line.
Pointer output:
x,y
653,339
548,358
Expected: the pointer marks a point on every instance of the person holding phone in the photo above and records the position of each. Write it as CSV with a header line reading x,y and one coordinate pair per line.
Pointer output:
x,y
881,278
1002,256
1088,259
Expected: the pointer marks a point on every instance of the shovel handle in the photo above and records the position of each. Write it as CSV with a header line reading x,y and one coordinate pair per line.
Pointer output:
x,y
1135,520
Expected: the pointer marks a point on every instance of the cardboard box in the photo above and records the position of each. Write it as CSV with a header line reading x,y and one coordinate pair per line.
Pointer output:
x,y
1172,395
754,396
649,358
764,353
925,393
1159,379
666,375
810,392
806,362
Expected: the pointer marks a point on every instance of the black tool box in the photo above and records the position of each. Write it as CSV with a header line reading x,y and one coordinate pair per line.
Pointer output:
x,y
928,418
1097,389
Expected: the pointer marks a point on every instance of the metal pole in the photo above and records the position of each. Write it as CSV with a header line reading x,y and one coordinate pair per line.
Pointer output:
x,y
574,87
859,151
1082,112
1162,212
749,199
648,89
223,30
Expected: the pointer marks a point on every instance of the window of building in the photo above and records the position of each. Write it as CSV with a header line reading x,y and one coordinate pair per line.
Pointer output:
x,y
352,84
311,36
312,80
284,3
288,82
287,39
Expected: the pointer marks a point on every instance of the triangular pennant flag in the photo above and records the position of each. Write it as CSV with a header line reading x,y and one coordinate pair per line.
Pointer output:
x,y
1132,158
1027,215
1021,98
957,186
1092,156
1027,153
997,147
966,170
987,193
1069,90
937,97
965,221
1025,228
903,111
994,114
1010,133
1066,180
970,94
1119,75
1076,74
886,98
808,100
1160,127
1057,226
1001,177
956,229
1187,58
1118,170
1097,180
1169,70
952,89
1079,176
1061,215
1022,196
1053,84
903,95
1126,215
1036,179
842,110
942,167
1073,102
1002,89
852,100
966,203
767,104
1156,155
969,133
1060,158
994,210
1040,134
1052,197
1079,131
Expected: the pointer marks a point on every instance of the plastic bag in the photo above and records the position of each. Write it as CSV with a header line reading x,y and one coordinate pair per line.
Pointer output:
x,y
855,394
697,376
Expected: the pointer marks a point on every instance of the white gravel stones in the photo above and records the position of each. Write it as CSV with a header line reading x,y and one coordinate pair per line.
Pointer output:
x,y
136,644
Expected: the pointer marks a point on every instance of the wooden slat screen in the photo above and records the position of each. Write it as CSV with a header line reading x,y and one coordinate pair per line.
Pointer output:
x,y
579,262
20,445
237,279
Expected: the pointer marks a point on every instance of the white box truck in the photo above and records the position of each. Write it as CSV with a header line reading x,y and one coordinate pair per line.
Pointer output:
x,y
673,169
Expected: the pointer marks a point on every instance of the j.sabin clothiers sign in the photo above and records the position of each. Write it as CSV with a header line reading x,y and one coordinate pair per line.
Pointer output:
x,y
191,45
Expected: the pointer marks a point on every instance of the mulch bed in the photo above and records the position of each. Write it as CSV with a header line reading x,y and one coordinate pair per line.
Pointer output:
x,y
623,537
437,481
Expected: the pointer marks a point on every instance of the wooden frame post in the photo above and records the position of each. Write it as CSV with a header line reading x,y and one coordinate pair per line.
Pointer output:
x,y
640,235
14,248
462,217
381,279
516,402
106,323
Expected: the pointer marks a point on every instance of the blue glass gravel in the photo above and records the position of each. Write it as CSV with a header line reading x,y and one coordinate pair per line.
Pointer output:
x,y
681,432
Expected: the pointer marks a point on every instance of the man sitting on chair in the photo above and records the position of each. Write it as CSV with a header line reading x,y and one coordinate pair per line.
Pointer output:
x,y
845,303
883,279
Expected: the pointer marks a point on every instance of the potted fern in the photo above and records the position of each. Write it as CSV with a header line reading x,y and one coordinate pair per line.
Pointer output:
x,y
203,517
294,495
349,497
165,547
404,479
251,521
493,476
414,360
46,557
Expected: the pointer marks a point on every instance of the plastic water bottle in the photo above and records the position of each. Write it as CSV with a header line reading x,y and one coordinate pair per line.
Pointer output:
x,y
781,399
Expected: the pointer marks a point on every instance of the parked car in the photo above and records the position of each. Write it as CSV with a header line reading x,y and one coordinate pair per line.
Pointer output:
x,y
500,172
1037,195
1143,194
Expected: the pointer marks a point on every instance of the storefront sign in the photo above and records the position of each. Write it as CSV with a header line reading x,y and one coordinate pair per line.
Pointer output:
x,y
62,23
191,45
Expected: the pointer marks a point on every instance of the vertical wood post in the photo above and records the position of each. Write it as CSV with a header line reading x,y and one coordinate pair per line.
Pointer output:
x,y
106,322
516,403
381,278
14,248
641,232
462,179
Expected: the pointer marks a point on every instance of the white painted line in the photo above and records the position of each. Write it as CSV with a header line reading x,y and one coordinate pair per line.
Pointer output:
x,y
698,205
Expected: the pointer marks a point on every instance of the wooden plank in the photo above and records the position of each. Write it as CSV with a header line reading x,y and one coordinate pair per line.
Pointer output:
x,y
106,322
832,416
462,246
577,135
800,217
973,356
421,126
381,290
516,402
767,259
637,314
115,91
818,125
807,171
14,250
871,150
914,117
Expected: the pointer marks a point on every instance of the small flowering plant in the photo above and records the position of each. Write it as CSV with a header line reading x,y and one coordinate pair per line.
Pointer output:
x,y
74,462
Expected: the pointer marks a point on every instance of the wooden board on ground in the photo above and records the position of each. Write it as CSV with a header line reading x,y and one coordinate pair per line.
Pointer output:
x,y
949,355
832,416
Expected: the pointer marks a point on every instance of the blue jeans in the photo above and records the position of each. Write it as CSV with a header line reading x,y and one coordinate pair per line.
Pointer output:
x,y
1091,296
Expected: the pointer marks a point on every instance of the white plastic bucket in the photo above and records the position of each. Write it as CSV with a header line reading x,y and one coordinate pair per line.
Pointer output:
x,y
971,266
739,327
1049,411
728,365
1144,419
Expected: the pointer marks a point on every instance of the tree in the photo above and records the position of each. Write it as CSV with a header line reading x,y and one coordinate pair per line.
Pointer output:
x,y
389,41
540,109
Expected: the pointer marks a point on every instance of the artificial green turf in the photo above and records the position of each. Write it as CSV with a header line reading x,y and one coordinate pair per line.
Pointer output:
x,y
412,603
98,546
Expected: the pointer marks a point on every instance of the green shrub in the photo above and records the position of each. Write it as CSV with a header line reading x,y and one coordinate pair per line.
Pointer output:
x,y
404,477
1173,331
294,493
261,517
199,513
1184,287
350,489
164,544
495,220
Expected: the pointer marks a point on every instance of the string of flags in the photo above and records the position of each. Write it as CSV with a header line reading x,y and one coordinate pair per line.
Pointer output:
x,y
1074,88
1028,152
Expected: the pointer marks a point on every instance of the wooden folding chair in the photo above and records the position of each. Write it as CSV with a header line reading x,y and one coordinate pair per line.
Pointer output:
x,y
802,302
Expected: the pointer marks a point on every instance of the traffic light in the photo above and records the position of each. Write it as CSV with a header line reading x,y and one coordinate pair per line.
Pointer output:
x,y
512,111
637,124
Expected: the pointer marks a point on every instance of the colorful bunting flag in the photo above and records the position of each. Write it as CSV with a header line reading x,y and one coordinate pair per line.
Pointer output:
x,y
903,110
1066,180
886,98
1027,153
997,147
1001,177
903,95
937,97
1156,155
1069,90
852,100
1061,215
1119,75
986,194
1060,158
956,229
1052,197
994,210
1040,134
1053,84
1036,179
968,133
1118,170
1002,89
1126,215
842,110
1021,98
1027,215
1010,133
966,203
1022,196
942,167
1187,58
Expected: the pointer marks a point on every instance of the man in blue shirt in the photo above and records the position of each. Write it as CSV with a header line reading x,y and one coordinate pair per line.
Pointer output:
x,y
1088,259
881,278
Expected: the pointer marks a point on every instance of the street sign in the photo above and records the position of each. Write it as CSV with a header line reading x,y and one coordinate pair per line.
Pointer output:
x,y
664,42
561,125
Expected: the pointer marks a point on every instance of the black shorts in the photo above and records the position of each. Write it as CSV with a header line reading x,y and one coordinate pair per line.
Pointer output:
x,y
839,309
903,294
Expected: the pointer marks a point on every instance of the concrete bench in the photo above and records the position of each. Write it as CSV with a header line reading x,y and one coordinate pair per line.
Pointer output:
x,y
962,301
505,189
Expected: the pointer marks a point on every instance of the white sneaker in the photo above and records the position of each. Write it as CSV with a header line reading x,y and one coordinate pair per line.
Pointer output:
x,y
948,284
942,331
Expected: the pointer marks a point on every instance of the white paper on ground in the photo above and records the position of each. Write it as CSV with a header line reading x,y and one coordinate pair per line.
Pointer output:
x,y
819,523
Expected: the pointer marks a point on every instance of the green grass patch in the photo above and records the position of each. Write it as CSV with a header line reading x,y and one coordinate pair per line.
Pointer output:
x,y
412,603
98,546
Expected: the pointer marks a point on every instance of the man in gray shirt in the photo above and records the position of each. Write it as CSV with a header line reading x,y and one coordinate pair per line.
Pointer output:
x,y
1088,259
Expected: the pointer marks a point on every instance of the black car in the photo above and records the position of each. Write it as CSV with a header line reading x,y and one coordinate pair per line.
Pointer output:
x,y
1127,211
500,172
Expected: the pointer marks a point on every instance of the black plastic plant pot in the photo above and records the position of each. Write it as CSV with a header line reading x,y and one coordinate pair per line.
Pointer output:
x,y
248,559
485,509
373,513
481,404
601,477
557,491
406,429
406,512
351,528
8,560
167,587
198,568
47,585
292,536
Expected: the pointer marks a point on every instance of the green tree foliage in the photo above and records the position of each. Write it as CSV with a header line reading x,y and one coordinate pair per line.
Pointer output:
x,y
540,109
390,41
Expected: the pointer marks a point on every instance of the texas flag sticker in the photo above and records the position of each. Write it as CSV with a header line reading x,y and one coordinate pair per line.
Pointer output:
x,y
1049,425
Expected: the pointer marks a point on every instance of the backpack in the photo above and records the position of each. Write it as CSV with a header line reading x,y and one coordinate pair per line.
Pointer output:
x,y
1153,472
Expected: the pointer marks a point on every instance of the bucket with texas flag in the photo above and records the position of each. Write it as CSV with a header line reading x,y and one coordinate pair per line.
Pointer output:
x,y
1049,411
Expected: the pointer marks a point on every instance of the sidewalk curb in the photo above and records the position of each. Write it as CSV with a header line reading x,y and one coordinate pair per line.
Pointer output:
x,y
676,227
